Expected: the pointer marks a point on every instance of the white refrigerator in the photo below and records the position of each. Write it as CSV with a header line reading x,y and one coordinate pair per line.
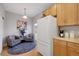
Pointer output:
x,y
46,31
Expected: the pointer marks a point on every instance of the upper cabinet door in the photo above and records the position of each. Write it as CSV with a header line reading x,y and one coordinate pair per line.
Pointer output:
x,y
60,22
46,12
50,11
66,14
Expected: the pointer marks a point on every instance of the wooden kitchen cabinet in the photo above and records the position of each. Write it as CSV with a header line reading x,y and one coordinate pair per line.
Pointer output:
x,y
67,14
53,11
65,47
72,52
59,48
73,49
46,12
78,13
50,11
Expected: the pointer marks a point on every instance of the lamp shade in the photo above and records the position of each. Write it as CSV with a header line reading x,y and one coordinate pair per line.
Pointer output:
x,y
24,17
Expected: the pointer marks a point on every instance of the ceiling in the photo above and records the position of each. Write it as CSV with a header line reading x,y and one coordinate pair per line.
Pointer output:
x,y
32,9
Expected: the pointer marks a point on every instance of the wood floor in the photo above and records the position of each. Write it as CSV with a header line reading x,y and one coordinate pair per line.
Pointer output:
x,y
31,53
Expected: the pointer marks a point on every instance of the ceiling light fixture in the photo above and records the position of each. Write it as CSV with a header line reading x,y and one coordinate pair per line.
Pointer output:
x,y
24,17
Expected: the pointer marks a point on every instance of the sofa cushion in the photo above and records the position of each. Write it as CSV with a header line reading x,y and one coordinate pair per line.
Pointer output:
x,y
29,38
17,37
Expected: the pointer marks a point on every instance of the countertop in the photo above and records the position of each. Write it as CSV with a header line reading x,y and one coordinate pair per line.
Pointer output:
x,y
74,40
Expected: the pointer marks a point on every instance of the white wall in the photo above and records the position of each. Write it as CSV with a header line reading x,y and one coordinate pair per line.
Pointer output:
x,y
11,22
2,14
29,25
2,11
69,29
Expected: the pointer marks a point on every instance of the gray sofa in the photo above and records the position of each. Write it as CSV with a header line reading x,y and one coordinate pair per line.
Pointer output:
x,y
18,44
12,41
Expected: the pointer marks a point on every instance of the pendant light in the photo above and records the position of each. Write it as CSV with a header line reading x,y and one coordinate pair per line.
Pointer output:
x,y
24,17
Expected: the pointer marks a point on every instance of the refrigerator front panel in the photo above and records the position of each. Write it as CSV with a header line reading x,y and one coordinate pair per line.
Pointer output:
x,y
46,31
44,49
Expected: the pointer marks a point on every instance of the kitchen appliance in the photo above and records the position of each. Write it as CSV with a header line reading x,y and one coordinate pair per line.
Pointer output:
x,y
72,34
61,33
46,31
66,35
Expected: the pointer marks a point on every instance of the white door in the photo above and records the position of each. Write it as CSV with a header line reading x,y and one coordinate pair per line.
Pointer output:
x,y
1,33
